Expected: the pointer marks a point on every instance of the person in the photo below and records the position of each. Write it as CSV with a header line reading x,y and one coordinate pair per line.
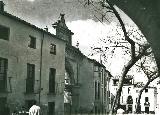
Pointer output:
x,y
120,111
34,110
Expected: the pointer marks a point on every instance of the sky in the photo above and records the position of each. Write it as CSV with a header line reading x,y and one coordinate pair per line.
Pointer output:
x,y
81,21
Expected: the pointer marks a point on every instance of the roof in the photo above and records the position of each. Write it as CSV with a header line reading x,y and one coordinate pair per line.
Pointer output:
x,y
96,62
42,30
28,24
141,84
127,77
76,50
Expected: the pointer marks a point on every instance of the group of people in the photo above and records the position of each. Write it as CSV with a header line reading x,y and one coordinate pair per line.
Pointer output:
x,y
34,110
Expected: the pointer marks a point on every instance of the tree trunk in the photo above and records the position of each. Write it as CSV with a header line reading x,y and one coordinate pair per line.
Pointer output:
x,y
132,61
138,105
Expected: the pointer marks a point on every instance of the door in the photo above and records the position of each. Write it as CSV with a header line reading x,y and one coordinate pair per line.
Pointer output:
x,y
51,108
3,101
129,108
147,110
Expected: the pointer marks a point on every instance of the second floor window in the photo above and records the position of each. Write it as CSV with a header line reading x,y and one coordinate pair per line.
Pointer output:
x,y
53,49
4,33
32,42
146,99
146,90
3,74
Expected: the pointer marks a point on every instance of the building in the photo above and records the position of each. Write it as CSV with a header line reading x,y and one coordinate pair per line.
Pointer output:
x,y
129,95
32,66
36,65
86,80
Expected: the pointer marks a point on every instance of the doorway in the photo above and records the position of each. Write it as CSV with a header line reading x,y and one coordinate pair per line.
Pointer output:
x,y
147,110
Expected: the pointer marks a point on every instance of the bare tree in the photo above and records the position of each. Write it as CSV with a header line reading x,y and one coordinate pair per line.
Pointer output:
x,y
151,75
143,50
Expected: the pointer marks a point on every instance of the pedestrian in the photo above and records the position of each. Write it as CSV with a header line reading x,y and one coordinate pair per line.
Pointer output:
x,y
34,110
120,111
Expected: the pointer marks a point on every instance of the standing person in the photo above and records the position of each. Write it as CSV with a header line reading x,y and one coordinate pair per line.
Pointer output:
x,y
34,110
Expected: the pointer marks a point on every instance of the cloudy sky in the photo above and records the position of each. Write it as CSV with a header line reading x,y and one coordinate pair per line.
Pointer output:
x,y
81,20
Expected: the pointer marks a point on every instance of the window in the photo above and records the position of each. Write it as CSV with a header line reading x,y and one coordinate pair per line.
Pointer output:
x,y
146,99
52,74
147,110
32,43
146,90
129,89
95,89
51,108
99,91
137,91
52,49
3,74
30,78
4,33
102,76
115,82
96,69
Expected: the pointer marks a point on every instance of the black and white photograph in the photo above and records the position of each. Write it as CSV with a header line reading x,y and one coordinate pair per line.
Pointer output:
x,y
79,57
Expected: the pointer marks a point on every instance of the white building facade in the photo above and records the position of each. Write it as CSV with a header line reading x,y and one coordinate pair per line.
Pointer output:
x,y
129,96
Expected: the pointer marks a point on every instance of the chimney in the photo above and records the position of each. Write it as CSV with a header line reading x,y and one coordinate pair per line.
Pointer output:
x,y
1,6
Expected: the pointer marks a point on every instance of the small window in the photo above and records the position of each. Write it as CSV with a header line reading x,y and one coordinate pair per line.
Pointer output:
x,y
96,69
52,49
129,89
32,43
146,99
4,33
146,90
137,91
